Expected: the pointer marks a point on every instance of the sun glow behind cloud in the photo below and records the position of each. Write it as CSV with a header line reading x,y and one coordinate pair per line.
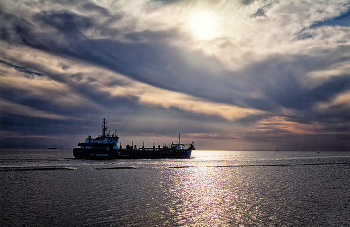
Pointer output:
x,y
204,24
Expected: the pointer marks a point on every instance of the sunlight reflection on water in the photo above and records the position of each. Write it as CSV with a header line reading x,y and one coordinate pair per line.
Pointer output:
x,y
200,196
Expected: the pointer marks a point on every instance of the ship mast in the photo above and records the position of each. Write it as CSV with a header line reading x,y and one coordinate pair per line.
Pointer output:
x,y
104,127
179,138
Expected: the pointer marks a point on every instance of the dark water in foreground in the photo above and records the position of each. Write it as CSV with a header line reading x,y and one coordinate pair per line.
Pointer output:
x,y
216,188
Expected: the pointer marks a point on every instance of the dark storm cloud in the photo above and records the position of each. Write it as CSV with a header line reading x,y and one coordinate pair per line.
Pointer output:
x,y
153,63
18,30
283,86
65,21
36,31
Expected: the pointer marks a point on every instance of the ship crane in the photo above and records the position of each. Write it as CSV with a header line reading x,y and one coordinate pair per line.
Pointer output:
x,y
104,127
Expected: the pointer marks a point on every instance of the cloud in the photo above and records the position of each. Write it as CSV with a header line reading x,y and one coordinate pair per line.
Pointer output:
x,y
65,21
279,68
122,87
21,69
259,13
12,108
37,91
95,8
283,125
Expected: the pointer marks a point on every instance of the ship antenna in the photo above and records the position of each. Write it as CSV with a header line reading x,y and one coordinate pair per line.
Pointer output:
x,y
179,138
104,127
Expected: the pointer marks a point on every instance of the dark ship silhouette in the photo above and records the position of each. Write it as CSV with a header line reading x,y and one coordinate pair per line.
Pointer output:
x,y
106,146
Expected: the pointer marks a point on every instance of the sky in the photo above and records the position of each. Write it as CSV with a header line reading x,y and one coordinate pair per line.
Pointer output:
x,y
228,75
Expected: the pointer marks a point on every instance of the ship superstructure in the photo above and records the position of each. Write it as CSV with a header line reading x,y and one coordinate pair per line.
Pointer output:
x,y
103,146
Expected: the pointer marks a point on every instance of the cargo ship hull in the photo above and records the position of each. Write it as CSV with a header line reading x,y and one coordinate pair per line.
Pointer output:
x,y
82,153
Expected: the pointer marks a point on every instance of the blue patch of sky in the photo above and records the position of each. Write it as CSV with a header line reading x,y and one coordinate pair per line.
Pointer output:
x,y
341,20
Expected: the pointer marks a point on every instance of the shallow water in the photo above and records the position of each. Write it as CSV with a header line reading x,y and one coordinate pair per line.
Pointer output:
x,y
214,188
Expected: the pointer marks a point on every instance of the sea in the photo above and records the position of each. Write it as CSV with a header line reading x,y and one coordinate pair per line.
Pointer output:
x,y
46,187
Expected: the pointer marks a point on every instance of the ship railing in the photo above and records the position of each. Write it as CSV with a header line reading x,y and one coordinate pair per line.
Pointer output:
x,y
182,144
97,144
150,149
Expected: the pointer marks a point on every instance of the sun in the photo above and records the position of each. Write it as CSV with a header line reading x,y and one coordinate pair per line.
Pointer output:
x,y
203,24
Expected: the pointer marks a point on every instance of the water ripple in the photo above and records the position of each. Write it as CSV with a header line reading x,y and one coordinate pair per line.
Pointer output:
x,y
37,168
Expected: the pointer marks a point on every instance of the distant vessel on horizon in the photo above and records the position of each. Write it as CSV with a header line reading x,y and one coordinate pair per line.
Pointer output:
x,y
106,146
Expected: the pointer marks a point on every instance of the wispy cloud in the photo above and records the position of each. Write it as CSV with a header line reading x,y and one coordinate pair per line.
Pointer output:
x,y
13,108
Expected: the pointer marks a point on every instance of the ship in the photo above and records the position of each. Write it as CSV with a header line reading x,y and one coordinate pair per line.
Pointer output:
x,y
105,146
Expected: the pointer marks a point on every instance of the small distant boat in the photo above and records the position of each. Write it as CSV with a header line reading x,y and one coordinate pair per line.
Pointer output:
x,y
106,146
52,148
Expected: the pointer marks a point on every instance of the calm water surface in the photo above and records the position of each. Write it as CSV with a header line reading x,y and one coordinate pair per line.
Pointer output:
x,y
214,188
